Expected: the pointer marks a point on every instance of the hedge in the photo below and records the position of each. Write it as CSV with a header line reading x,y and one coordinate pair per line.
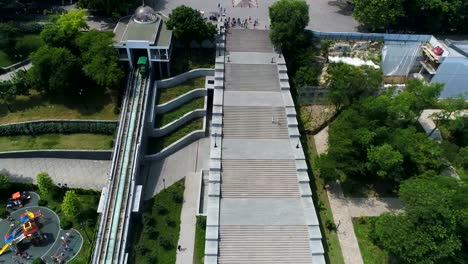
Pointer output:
x,y
62,127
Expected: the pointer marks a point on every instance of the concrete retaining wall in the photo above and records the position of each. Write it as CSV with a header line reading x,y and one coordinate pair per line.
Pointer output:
x,y
179,144
159,132
14,66
59,154
169,106
176,80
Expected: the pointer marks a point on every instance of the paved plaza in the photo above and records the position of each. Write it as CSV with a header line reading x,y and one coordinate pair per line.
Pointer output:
x,y
76,173
324,15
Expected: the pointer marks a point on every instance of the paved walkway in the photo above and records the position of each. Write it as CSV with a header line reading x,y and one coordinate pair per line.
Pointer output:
x,y
324,15
7,76
177,166
188,218
86,174
344,209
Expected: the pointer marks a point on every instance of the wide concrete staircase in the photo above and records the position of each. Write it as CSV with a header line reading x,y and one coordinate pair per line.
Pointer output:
x,y
264,245
258,41
251,77
255,122
259,179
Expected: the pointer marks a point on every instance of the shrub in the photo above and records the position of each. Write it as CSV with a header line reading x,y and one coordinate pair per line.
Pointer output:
x,y
71,205
66,224
152,233
165,243
38,261
3,212
151,260
141,250
170,222
42,202
201,222
68,127
330,226
160,209
177,197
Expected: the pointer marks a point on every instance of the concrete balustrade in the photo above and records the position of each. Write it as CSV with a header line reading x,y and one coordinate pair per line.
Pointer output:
x,y
179,101
176,80
159,132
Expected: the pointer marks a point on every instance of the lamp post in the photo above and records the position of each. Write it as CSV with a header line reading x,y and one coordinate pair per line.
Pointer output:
x,y
298,143
215,135
164,184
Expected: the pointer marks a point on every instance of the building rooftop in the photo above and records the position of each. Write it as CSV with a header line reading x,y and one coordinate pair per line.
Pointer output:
x,y
147,27
399,57
453,73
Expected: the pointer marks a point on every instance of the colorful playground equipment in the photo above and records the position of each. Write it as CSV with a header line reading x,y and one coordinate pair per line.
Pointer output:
x,y
18,200
26,227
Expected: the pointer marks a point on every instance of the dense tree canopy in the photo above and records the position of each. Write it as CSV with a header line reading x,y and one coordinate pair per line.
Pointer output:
x,y
432,225
376,137
65,29
55,69
288,20
348,83
189,25
433,16
378,14
104,68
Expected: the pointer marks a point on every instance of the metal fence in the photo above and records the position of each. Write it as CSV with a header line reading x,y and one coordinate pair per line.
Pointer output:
x,y
371,36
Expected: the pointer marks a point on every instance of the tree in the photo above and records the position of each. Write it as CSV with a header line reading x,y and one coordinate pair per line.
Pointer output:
x,y
103,68
427,231
63,32
288,20
45,184
378,14
451,108
18,85
384,160
4,182
8,34
55,69
71,205
348,84
306,76
189,25
38,261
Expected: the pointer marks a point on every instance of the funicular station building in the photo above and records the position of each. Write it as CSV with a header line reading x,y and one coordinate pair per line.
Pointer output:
x,y
144,34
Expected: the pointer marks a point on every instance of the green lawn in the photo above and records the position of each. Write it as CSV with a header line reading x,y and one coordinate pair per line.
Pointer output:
x,y
371,253
155,145
188,59
166,118
200,231
57,141
99,104
168,94
157,235
5,60
332,248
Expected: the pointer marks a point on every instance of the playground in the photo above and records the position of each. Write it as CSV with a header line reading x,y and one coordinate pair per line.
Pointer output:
x,y
34,231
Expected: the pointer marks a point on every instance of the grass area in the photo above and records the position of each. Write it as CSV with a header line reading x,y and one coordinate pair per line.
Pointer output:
x,y
57,141
155,145
167,94
332,248
98,104
5,60
27,44
370,252
166,118
200,231
188,59
157,235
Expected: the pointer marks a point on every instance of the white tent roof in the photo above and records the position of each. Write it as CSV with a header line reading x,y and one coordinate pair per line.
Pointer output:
x,y
244,3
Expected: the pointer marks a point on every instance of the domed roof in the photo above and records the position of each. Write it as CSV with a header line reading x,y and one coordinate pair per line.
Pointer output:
x,y
145,15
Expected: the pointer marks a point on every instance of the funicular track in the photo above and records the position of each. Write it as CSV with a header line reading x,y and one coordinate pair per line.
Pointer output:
x,y
110,241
